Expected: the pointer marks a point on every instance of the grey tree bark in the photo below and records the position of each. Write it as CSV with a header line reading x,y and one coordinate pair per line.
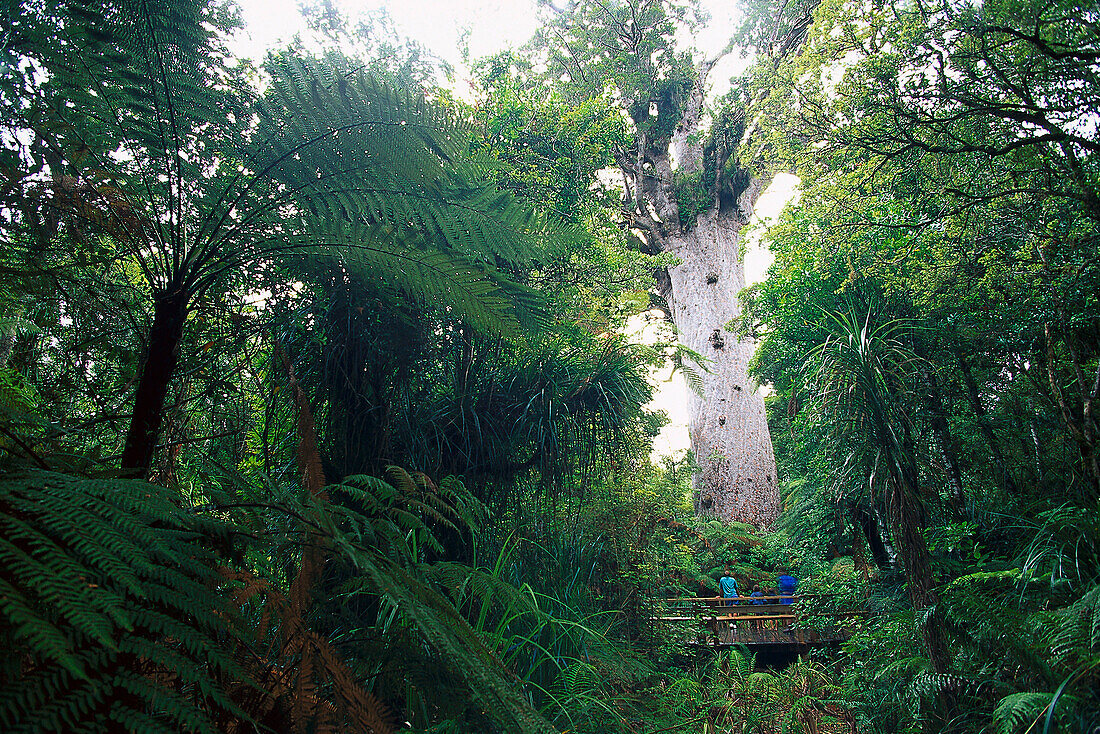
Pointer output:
x,y
685,195
728,427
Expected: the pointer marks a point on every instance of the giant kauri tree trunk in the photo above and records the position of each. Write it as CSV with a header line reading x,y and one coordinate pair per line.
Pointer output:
x,y
728,427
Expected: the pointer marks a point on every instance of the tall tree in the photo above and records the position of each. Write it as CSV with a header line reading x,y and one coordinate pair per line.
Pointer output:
x,y
684,193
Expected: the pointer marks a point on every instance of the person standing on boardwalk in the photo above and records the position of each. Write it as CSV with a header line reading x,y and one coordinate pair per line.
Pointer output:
x,y
728,586
787,584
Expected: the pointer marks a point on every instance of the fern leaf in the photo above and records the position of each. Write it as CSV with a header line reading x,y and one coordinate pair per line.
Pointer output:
x,y
1020,711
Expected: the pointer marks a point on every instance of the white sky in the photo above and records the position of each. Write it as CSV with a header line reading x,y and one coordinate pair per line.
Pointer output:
x,y
493,25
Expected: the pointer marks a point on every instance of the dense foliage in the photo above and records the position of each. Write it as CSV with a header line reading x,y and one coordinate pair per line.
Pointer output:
x,y
317,412
931,329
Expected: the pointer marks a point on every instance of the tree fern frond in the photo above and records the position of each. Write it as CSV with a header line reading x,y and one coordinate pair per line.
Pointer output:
x,y
473,292
432,615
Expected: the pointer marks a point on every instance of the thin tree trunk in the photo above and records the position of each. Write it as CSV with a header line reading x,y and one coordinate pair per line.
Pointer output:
x,y
1081,427
7,341
906,513
985,427
946,444
869,524
161,358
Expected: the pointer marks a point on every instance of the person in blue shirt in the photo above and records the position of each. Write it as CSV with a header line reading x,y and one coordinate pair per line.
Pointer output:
x,y
787,584
728,586
756,592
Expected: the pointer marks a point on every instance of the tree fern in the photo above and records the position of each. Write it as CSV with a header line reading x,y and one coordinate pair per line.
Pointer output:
x,y
429,613
477,292
157,143
366,526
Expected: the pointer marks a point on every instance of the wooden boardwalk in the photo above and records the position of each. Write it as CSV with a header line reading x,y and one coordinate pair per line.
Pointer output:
x,y
758,623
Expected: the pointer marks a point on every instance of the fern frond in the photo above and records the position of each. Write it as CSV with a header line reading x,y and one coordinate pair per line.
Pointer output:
x,y
110,598
474,292
1020,711
430,614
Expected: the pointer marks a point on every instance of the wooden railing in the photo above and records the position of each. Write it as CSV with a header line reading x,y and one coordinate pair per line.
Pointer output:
x,y
744,620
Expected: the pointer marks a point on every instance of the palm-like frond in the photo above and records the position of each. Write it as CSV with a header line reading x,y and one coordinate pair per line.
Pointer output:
x,y
859,373
193,181
476,292
435,619
1066,545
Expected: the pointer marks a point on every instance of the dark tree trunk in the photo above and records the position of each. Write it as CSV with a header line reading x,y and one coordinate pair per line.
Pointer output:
x,y
904,510
907,516
7,341
161,358
984,426
942,430
868,523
